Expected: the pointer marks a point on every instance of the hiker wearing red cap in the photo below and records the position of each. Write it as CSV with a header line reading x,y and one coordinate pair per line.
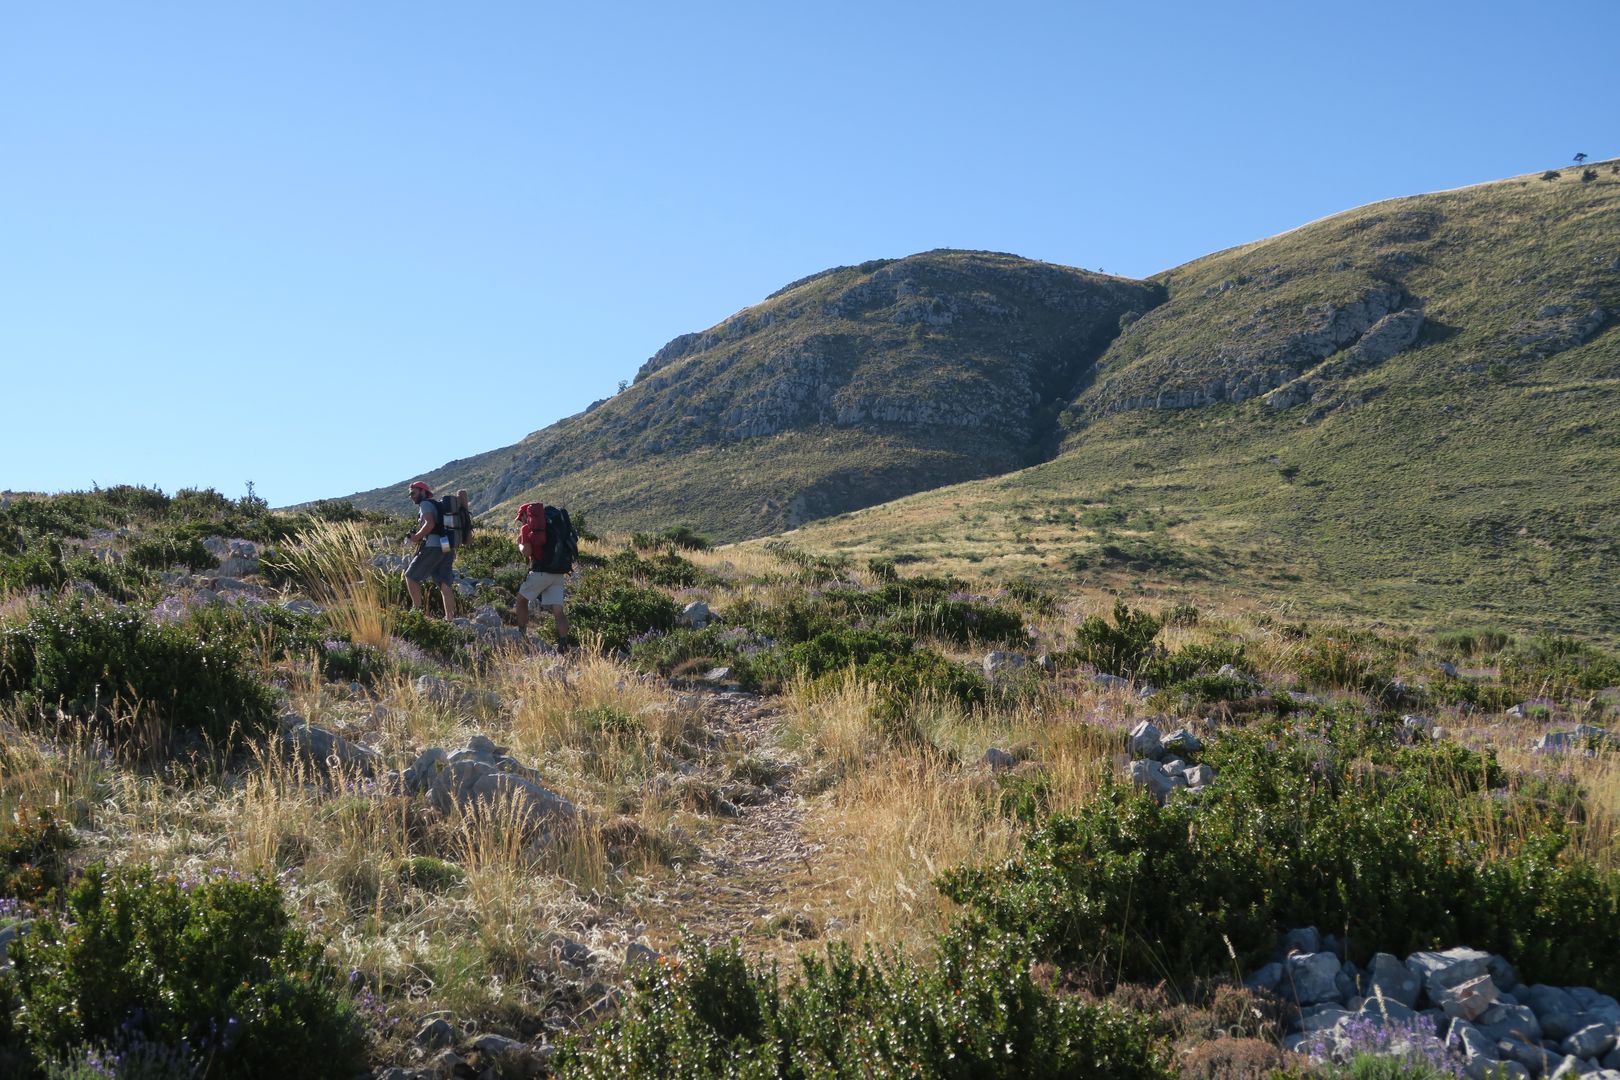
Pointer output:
x,y
540,585
432,559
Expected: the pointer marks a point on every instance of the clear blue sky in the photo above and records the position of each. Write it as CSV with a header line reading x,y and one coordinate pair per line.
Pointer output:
x,y
297,243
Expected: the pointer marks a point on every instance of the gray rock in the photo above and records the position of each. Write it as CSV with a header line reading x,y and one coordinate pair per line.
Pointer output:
x,y
1149,775
696,615
1387,975
1111,682
1145,741
1481,1068
436,1034
1183,741
1568,1069
1388,1009
1590,1001
998,662
573,952
1305,939
1439,970
1475,1043
499,1046
718,674
323,749
433,688
636,954
1312,978
1502,973
1200,776
998,759
300,606
1448,669
1537,1059
1267,978
1591,1041
1323,1017
1511,1022
1611,1060
1466,1000
446,1065
1556,1010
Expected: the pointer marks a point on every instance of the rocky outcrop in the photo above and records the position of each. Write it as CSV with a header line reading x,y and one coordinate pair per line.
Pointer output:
x,y
1388,336
1358,334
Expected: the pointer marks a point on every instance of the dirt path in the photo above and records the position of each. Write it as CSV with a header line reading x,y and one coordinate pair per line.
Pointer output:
x,y
749,863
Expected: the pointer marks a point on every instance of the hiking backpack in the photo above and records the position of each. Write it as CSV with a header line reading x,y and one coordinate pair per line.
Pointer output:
x,y
553,543
455,519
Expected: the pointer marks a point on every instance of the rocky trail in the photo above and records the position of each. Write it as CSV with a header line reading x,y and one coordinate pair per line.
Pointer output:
x,y
753,851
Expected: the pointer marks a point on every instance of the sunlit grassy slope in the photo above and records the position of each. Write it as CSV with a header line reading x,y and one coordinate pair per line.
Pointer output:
x,y
1475,476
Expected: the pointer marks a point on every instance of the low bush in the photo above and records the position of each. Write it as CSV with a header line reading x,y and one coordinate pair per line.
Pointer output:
x,y
84,655
1473,641
1558,666
618,611
1332,823
214,965
489,553
675,536
33,855
1120,648
975,1012
163,548
439,638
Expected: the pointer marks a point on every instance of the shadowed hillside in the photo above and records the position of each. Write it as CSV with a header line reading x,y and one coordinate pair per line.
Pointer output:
x,y
844,389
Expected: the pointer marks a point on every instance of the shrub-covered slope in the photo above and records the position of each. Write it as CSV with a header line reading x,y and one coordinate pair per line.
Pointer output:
x,y
1406,410
842,390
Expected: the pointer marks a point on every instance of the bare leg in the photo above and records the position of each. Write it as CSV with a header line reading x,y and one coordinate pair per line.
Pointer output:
x,y
448,595
520,612
415,592
562,623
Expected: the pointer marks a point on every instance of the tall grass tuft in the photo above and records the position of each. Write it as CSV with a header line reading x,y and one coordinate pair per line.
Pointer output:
x,y
333,562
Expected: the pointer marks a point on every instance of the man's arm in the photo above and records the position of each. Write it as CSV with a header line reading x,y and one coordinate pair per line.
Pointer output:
x,y
429,520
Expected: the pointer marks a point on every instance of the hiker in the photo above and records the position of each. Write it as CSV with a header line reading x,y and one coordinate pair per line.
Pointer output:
x,y
434,557
540,585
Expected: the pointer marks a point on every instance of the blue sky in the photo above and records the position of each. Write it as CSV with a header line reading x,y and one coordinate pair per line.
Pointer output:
x,y
301,243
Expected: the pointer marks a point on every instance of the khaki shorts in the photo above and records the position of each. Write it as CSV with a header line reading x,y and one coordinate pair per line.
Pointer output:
x,y
546,588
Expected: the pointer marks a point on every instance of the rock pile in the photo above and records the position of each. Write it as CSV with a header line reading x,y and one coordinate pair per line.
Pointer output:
x,y
483,778
1158,763
1498,1026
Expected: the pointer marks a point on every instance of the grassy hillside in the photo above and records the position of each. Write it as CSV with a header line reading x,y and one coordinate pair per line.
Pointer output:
x,y
844,389
1469,477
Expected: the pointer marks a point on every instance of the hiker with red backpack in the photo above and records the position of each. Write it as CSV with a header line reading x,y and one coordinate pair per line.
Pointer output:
x,y
435,536
549,542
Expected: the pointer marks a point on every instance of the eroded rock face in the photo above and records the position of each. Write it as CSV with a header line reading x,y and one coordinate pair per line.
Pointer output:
x,y
1337,340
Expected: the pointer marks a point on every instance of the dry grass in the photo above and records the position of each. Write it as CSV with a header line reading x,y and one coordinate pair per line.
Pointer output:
x,y
333,563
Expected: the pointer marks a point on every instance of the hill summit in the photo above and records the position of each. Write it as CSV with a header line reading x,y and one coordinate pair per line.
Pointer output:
x,y
843,389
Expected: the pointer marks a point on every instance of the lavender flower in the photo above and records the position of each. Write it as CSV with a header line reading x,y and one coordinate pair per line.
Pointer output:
x,y
1413,1042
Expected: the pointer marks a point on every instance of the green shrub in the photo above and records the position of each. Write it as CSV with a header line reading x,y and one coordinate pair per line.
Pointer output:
x,y
1473,641
439,638
163,548
618,612
217,964
1558,666
84,655
1117,649
975,1012
489,553
675,536
430,874
1331,824
33,850
1342,662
